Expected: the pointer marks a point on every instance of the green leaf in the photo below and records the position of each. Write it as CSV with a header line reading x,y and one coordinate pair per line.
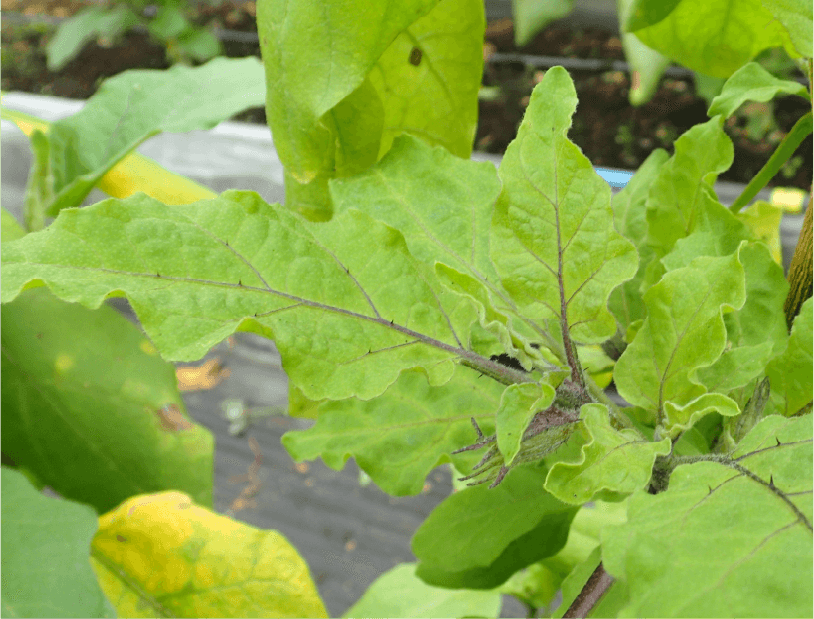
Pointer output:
x,y
678,419
74,33
630,218
614,463
138,104
169,23
790,374
87,414
531,16
400,593
553,240
715,231
399,437
684,330
685,182
646,64
347,304
46,569
643,13
412,68
39,190
757,331
443,206
725,539
518,405
11,230
479,537
428,79
752,83
795,16
763,220
714,37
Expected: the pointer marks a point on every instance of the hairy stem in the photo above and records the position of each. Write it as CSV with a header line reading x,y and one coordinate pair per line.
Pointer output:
x,y
800,271
598,583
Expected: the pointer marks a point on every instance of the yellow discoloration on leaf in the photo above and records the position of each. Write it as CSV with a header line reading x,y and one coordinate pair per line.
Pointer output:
x,y
147,347
162,555
64,363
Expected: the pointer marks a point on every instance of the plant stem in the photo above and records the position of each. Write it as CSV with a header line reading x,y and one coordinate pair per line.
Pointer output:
x,y
800,271
801,129
598,583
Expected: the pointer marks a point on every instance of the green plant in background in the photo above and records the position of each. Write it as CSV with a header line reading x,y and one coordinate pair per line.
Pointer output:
x,y
697,35
169,26
428,310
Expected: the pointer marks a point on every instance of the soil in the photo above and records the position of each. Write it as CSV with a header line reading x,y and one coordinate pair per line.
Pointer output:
x,y
610,131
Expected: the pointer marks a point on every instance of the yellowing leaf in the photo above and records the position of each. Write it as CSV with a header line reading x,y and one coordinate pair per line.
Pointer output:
x,y
162,555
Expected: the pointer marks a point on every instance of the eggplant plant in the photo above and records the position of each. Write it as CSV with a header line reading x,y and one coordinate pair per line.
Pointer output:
x,y
428,310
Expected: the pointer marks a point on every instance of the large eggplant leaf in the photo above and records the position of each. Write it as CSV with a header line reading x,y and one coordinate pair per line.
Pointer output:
x,y
400,436
479,537
344,77
46,569
443,205
684,330
91,409
138,104
728,539
553,239
796,18
713,37
161,555
347,304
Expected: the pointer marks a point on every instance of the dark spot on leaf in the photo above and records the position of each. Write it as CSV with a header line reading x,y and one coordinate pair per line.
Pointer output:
x,y
121,538
508,361
415,56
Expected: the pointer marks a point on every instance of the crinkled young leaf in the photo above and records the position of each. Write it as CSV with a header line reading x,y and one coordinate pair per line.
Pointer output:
x,y
630,218
757,331
138,104
684,330
724,539
790,374
479,537
714,231
443,206
346,303
614,463
518,404
713,37
84,396
399,437
678,419
553,239
685,182
400,593
752,83
162,555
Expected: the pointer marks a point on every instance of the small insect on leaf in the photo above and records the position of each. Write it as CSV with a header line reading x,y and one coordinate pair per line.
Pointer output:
x,y
415,56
